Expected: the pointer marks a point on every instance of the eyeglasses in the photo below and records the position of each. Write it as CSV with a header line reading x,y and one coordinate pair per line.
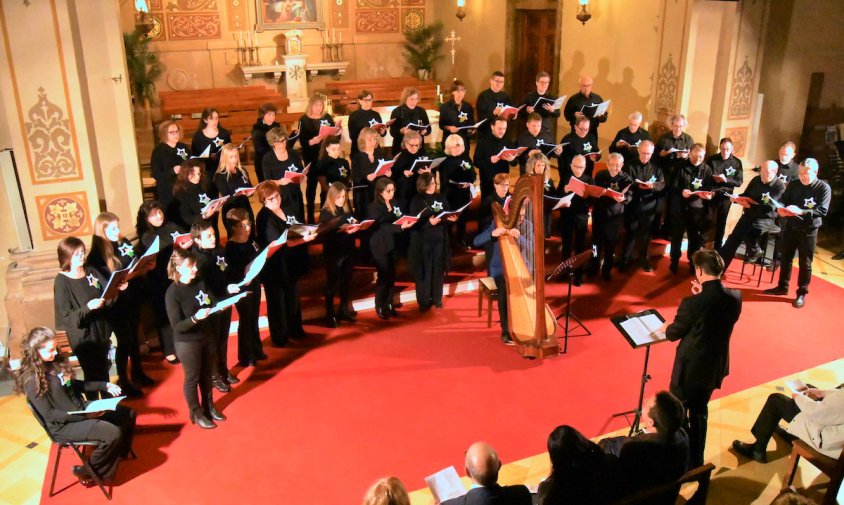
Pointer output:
x,y
276,197
414,145
366,99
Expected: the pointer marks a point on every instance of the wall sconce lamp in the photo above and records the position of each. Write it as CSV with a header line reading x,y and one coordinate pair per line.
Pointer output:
x,y
583,14
143,23
461,9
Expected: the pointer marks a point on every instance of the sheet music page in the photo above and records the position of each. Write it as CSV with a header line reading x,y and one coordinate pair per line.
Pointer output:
x,y
445,484
644,330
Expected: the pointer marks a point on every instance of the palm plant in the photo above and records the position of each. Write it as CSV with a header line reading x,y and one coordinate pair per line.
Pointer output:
x,y
144,67
423,46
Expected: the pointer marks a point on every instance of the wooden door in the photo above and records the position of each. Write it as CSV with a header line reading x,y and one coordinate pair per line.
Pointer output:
x,y
535,35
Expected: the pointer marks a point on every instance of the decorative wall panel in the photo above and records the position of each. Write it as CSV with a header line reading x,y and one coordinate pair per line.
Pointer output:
x,y
739,136
62,215
377,4
377,21
193,26
741,93
412,19
238,15
666,87
339,13
50,140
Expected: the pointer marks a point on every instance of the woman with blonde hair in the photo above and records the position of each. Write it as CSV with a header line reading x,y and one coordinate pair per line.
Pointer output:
x,y
407,113
387,491
338,250
230,177
457,176
109,252
309,140
364,162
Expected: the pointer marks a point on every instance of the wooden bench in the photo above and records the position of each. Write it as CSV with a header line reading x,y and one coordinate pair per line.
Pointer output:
x,y
701,475
386,92
487,289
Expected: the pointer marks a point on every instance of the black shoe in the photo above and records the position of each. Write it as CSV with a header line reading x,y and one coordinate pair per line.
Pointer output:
x,y
839,256
330,322
392,309
424,308
783,434
231,379
779,290
280,344
202,421
438,305
646,267
799,302
220,384
505,338
129,389
173,361
215,414
83,476
673,267
143,379
382,313
347,315
749,451
261,357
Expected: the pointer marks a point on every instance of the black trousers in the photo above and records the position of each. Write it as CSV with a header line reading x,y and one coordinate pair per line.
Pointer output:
x,y
284,314
114,430
720,206
338,272
749,231
606,233
199,363
162,324
501,285
573,228
687,220
429,272
696,402
802,242
312,182
385,265
637,232
249,347
777,407
93,358
124,323
221,342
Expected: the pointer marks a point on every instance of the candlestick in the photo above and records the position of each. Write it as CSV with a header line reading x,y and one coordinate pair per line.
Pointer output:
x,y
340,38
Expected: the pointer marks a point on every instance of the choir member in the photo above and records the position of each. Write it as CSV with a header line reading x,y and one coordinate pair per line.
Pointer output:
x,y
788,168
81,311
538,163
501,185
639,214
230,177
191,194
537,140
338,249
364,117
758,217
428,254
48,381
457,177
382,244
153,223
403,172
574,218
212,266
310,123
689,209
490,103
673,149
457,113
581,142
284,314
165,162
487,158
241,250
277,163
627,139
727,175
110,252
807,200
265,122
332,165
210,135
364,163
545,108
608,211
584,104
189,303
406,114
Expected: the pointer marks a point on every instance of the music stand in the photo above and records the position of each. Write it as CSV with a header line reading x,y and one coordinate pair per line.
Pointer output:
x,y
568,267
644,336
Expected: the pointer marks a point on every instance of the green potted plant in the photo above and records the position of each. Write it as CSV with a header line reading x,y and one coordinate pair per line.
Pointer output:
x,y
143,66
423,48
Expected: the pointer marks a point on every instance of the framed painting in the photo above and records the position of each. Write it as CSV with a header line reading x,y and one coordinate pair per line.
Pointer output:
x,y
289,14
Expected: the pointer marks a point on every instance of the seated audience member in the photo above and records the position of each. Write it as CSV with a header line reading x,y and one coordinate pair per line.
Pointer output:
x,y
46,378
482,465
792,498
387,491
815,416
579,470
656,458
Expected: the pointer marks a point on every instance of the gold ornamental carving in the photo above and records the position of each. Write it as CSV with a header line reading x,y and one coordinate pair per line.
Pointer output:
x,y
50,139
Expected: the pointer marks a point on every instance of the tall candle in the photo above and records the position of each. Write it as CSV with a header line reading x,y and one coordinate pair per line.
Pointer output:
x,y
241,38
255,38
340,38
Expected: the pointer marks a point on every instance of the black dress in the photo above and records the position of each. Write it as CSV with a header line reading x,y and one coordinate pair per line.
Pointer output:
x,y
452,114
338,249
404,116
227,184
383,248
212,268
200,142
335,170
164,158
238,257
405,186
360,119
454,171
261,145
428,253
363,188
308,129
87,330
156,281
292,200
189,203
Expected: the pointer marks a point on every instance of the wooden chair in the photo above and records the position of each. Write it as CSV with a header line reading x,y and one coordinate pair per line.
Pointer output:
x,y
833,468
488,289
78,447
701,475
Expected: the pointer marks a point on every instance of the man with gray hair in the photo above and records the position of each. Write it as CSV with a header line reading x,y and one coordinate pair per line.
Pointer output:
x,y
628,139
482,465
608,211
806,201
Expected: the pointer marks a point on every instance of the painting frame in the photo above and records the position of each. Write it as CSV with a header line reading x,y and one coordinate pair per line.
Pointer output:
x,y
284,14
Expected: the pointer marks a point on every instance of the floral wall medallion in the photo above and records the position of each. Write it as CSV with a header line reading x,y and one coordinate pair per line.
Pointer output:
x,y
63,215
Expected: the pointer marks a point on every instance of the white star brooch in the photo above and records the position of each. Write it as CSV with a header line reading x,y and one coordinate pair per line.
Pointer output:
x,y
202,298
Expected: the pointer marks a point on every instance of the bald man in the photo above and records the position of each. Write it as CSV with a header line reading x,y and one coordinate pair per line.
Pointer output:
x,y
482,465
584,103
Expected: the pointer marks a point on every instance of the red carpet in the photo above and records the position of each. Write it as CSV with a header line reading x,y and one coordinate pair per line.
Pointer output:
x,y
316,424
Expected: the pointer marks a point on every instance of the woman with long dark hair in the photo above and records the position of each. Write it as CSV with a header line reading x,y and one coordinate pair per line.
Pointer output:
x,y
191,194
265,122
46,378
383,246
579,470
210,135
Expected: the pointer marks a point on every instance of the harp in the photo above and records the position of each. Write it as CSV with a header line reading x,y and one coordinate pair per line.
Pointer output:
x,y
531,323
